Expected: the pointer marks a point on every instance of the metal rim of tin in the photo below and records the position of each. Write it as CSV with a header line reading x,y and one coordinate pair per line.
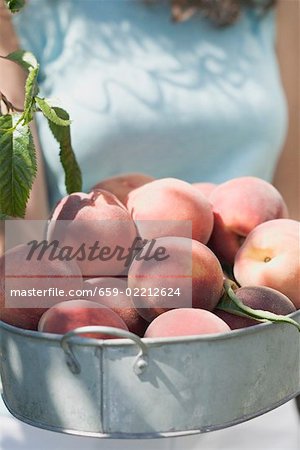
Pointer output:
x,y
127,338
148,341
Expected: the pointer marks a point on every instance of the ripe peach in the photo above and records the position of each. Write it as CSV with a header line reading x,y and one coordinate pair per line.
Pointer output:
x,y
185,274
66,316
112,293
270,256
28,276
257,297
171,207
99,227
205,188
186,322
239,205
121,185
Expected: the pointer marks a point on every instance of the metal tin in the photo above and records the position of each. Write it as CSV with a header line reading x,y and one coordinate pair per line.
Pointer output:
x,y
147,388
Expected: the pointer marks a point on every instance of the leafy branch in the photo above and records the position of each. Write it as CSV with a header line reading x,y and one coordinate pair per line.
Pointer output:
x,y
17,152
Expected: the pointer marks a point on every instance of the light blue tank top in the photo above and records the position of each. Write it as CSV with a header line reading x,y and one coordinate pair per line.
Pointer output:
x,y
186,100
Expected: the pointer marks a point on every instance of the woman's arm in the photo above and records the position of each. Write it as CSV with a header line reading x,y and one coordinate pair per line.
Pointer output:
x,y
287,176
12,80
12,77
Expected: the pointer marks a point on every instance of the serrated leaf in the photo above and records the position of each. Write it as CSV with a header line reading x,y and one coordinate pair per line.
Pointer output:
x,y
232,304
24,59
17,166
50,113
31,90
73,177
15,5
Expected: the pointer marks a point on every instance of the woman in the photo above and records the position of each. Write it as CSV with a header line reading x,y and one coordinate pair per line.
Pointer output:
x,y
149,95
199,98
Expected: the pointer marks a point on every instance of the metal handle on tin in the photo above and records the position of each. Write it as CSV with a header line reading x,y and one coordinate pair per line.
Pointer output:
x,y
140,363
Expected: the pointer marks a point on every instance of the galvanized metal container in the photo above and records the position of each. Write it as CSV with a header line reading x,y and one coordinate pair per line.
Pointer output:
x,y
133,388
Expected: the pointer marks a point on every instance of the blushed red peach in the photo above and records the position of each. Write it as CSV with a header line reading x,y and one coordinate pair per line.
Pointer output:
x,y
171,207
239,205
189,275
270,256
99,223
67,316
113,293
186,322
257,297
33,275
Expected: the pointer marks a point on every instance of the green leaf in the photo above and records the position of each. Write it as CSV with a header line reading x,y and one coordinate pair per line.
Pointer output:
x,y
232,304
24,59
73,177
17,165
29,63
15,5
50,113
31,90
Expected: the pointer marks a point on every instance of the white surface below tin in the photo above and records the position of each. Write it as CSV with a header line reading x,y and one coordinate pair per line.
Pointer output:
x,y
276,430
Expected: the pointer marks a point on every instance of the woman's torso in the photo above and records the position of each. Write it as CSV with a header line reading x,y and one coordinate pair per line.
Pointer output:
x,y
187,100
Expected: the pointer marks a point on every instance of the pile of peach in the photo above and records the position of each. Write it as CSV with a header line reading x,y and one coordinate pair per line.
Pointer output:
x,y
203,232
